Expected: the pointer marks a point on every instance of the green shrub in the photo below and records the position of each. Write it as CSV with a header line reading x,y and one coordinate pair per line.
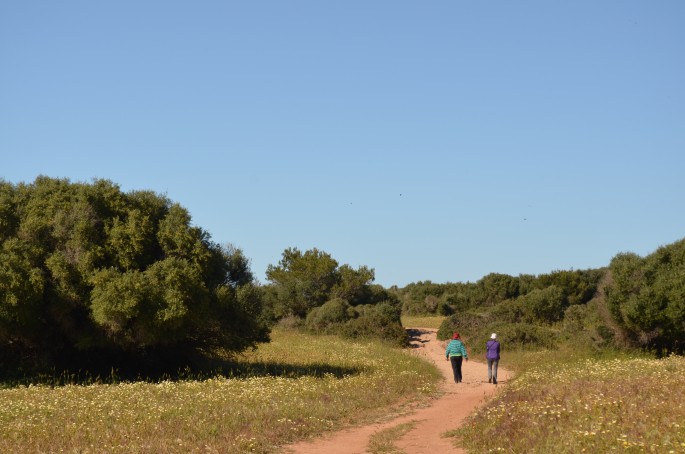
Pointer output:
x,y
575,318
377,321
647,297
465,323
520,336
546,305
510,311
329,317
445,309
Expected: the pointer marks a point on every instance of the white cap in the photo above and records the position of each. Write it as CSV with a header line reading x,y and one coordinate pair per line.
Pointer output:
x,y
493,336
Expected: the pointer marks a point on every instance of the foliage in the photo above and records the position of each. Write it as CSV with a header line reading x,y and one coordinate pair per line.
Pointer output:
x,y
578,286
647,297
415,296
304,281
542,306
329,317
520,336
496,287
426,298
353,285
465,323
377,321
87,270
332,298
337,316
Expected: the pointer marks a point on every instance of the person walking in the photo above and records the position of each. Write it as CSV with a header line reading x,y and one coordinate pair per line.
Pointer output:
x,y
456,353
492,355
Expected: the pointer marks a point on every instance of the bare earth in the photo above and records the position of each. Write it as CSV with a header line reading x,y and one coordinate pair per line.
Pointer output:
x,y
444,414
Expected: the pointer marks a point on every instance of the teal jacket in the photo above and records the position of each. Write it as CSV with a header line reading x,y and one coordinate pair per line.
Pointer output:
x,y
456,348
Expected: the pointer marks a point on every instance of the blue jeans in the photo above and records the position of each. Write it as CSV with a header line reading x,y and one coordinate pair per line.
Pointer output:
x,y
456,367
492,369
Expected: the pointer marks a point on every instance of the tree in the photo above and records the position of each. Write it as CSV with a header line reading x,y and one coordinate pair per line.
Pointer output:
x,y
303,280
546,305
87,268
353,285
496,287
330,316
647,297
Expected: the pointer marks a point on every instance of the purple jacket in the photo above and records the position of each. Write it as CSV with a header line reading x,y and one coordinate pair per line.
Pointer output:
x,y
492,349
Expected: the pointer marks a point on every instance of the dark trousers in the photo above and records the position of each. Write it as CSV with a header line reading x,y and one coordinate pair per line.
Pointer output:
x,y
456,367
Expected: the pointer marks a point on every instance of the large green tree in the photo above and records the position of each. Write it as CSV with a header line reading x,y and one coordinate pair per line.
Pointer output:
x,y
647,297
303,281
87,267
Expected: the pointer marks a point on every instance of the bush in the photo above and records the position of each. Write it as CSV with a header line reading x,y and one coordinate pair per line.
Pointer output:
x,y
511,311
88,271
445,309
377,321
546,305
574,318
647,297
466,323
522,335
329,317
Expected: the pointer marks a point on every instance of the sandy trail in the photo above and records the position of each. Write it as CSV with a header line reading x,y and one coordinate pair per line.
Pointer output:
x,y
444,414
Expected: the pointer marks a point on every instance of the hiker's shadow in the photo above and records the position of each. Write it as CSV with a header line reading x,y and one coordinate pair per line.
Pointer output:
x,y
414,335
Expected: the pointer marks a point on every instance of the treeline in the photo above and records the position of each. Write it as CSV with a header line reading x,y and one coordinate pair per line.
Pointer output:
x,y
422,298
90,275
635,302
526,310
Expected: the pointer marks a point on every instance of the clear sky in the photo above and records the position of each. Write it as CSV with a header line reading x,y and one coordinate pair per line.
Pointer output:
x,y
437,140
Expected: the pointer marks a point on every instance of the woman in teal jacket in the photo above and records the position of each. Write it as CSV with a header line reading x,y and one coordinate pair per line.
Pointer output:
x,y
456,353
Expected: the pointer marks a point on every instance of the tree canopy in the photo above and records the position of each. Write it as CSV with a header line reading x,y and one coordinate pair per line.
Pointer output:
x,y
647,297
87,267
306,280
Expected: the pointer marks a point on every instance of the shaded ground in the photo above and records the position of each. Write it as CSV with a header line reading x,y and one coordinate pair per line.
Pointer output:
x,y
429,423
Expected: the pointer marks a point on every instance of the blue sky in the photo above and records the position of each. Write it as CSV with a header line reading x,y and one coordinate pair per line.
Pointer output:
x,y
438,140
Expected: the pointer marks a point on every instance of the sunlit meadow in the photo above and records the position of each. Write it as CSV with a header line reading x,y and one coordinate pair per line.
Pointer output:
x,y
591,405
326,382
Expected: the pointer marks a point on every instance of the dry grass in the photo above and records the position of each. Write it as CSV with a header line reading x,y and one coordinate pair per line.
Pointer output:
x,y
591,405
337,382
415,321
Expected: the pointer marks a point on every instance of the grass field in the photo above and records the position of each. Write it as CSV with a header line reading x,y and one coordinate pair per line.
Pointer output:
x,y
292,388
574,405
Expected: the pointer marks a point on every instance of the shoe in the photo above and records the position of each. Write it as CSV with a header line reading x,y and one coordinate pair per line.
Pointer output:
x,y
489,380
494,381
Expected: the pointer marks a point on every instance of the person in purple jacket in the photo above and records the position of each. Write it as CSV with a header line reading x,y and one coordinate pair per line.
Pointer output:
x,y
492,355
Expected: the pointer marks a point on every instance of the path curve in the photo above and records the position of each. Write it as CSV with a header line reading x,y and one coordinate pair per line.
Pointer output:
x,y
445,413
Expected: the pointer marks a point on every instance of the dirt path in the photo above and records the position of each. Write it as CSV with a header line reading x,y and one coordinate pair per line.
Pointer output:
x,y
444,414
